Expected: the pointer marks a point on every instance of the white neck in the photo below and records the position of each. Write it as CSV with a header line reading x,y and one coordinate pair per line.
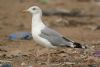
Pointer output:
x,y
37,24
36,20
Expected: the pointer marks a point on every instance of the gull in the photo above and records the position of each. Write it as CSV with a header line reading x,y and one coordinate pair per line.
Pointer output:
x,y
46,36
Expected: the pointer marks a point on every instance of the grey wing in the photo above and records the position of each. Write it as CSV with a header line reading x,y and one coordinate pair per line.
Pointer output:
x,y
55,38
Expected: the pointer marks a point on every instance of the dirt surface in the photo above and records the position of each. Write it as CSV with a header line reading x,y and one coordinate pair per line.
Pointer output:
x,y
26,53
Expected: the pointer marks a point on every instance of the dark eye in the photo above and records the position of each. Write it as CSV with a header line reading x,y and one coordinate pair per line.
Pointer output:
x,y
34,8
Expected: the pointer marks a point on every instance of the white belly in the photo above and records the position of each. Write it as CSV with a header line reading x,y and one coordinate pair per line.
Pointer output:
x,y
36,30
42,41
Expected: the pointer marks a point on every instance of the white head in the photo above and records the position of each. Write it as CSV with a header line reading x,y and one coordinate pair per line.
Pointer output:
x,y
34,10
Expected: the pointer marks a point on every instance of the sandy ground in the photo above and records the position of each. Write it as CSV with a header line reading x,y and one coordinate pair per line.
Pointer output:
x,y
24,53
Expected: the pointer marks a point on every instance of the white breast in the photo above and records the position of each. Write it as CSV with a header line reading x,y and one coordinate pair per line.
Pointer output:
x,y
35,33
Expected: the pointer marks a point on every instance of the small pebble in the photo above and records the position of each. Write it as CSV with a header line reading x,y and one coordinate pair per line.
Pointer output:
x,y
92,65
23,64
30,66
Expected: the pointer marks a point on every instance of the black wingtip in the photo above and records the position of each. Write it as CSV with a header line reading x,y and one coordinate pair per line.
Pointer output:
x,y
78,45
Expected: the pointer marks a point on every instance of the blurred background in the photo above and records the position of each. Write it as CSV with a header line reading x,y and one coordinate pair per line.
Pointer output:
x,y
76,19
